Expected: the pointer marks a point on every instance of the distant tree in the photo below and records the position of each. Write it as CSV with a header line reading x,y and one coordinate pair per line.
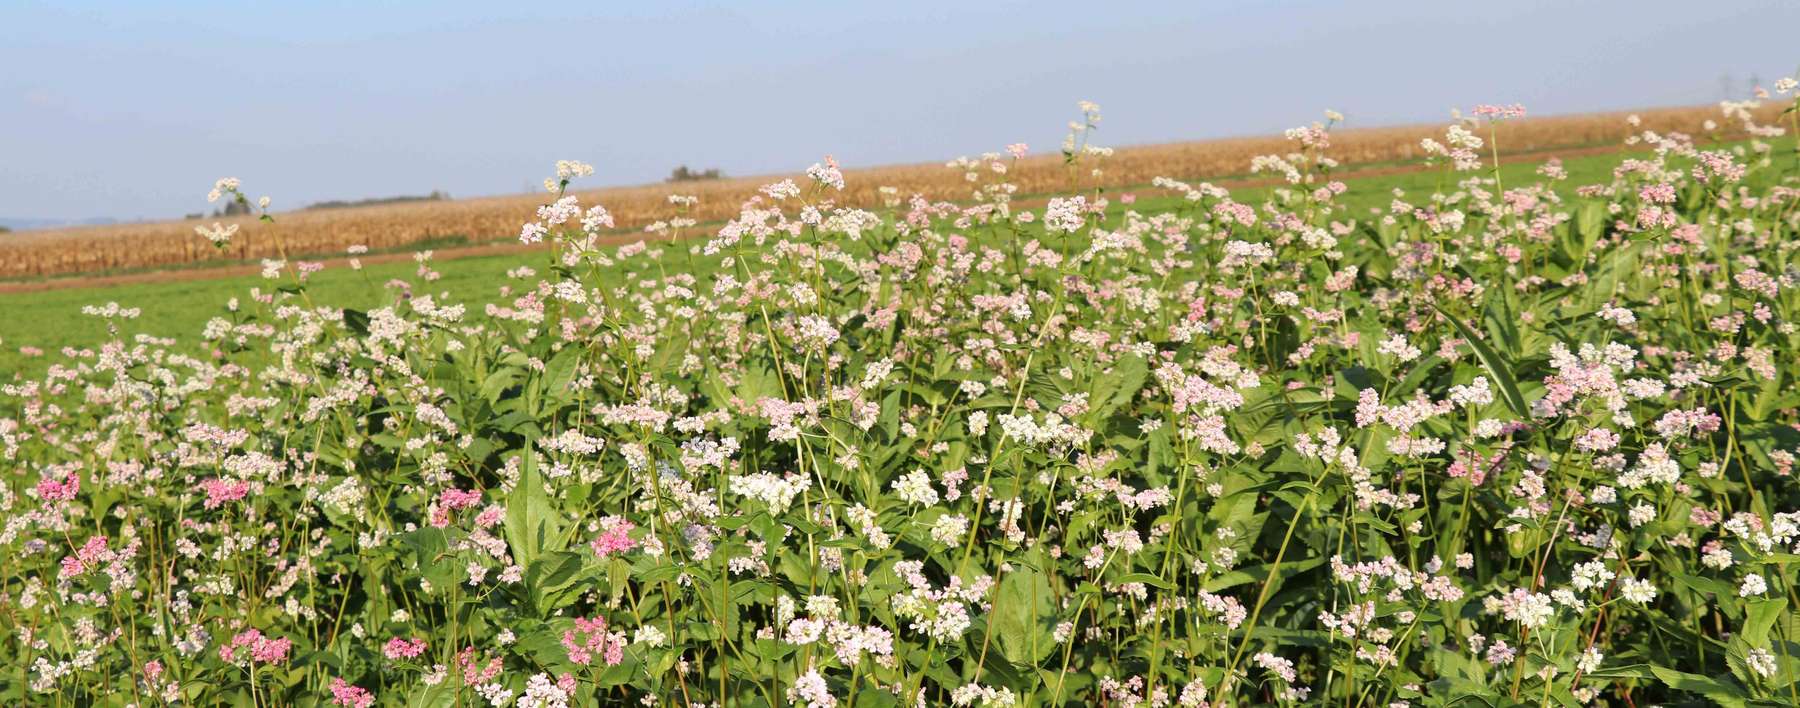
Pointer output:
x,y
233,208
683,174
436,195
4,230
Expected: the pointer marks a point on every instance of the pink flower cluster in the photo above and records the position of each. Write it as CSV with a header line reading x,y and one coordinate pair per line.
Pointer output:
x,y
92,553
615,539
345,694
219,491
1492,112
51,490
261,649
398,648
452,500
589,637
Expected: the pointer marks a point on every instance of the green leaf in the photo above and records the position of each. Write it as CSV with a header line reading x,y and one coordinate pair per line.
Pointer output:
x,y
1256,573
876,699
1147,579
357,321
1623,671
553,580
1723,691
559,372
1496,367
1759,617
497,383
1116,388
532,523
1021,613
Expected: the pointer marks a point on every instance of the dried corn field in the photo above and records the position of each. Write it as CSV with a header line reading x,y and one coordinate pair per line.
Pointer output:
x,y
304,233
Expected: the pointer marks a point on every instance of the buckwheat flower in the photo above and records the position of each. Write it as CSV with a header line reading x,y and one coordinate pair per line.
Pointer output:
x,y
780,191
1641,514
250,644
345,694
65,490
949,529
1589,661
1064,215
816,333
1281,668
649,635
1591,575
1530,609
1597,440
1753,585
595,219
915,488
827,174
1500,654
1492,112
775,490
810,690
1638,591
1762,661
1397,347
1460,137
975,694
219,234
951,622
542,692
803,630
589,637
567,171
1224,609
220,491
559,212
398,648
346,498
616,539
497,694
222,187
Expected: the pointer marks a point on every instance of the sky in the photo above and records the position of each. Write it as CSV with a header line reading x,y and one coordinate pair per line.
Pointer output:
x,y
129,109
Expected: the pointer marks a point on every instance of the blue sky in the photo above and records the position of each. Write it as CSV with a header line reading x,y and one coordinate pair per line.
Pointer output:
x,y
131,109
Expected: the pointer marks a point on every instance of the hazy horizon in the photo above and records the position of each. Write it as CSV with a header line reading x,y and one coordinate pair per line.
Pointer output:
x,y
130,111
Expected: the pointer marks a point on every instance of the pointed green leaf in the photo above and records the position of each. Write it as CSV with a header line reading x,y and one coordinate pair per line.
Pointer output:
x,y
1495,365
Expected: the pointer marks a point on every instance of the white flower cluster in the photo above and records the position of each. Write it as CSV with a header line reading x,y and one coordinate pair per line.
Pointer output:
x,y
775,490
